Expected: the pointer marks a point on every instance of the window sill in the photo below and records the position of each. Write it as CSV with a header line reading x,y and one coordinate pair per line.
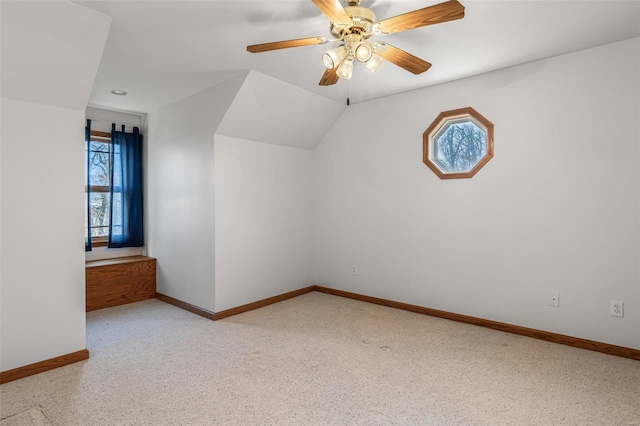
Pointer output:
x,y
99,243
103,252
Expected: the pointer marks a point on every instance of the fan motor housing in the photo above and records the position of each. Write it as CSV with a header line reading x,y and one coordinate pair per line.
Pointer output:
x,y
362,21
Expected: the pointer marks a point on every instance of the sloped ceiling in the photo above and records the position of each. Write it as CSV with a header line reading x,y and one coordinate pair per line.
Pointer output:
x,y
164,50
269,110
51,51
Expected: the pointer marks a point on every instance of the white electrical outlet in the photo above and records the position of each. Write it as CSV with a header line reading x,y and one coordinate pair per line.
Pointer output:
x,y
554,299
354,270
616,309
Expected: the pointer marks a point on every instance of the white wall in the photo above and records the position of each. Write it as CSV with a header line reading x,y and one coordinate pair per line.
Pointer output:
x,y
50,56
263,220
230,214
43,297
180,195
556,209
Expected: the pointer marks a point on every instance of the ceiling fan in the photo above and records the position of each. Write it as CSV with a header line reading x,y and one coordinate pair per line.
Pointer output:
x,y
354,25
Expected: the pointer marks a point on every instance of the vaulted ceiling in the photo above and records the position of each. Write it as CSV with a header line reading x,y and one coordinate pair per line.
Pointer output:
x,y
161,51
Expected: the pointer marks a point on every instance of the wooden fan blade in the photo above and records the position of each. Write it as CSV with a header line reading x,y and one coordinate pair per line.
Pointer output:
x,y
275,45
330,77
333,10
402,59
443,12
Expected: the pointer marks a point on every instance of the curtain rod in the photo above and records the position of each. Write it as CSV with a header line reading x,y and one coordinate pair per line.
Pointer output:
x,y
99,120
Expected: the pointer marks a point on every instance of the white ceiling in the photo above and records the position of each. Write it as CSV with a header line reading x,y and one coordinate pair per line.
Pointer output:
x,y
50,61
162,51
267,110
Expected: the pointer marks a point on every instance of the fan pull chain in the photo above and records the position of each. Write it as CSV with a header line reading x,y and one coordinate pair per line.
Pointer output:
x,y
348,101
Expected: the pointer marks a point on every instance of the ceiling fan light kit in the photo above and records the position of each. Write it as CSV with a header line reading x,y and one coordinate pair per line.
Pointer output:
x,y
345,69
353,25
353,48
333,57
374,63
364,51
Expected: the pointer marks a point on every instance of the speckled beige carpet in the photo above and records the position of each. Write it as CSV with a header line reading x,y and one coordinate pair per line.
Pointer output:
x,y
31,417
321,359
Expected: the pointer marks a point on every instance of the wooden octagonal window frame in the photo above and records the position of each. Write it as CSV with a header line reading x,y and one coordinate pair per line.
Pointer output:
x,y
444,120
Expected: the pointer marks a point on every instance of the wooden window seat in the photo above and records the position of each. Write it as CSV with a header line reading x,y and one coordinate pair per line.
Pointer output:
x,y
113,282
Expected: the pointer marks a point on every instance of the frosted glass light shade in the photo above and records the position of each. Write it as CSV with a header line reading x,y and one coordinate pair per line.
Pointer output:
x,y
374,63
333,57
364,51
345,70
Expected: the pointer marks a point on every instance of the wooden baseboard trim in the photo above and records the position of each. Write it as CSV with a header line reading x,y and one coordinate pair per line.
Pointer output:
x,y
577,342
562,339
42,366
262,303
186,306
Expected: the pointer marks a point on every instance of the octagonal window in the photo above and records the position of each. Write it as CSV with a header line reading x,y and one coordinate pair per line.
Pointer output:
x,y
458,143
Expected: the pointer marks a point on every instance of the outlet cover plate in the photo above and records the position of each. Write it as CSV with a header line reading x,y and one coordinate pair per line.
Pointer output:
x,y
616,309
554,299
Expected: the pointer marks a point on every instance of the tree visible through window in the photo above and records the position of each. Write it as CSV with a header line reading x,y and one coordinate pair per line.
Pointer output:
x,y
99,181
458,143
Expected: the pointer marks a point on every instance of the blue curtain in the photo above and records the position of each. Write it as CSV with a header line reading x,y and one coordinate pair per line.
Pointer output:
x,y
125,224
87,145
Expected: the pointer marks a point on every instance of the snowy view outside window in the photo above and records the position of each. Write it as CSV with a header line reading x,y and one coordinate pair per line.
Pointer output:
x,y
99,180
459,146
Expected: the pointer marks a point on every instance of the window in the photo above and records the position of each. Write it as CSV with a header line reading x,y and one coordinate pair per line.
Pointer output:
x,y
99,181
458,143
113,206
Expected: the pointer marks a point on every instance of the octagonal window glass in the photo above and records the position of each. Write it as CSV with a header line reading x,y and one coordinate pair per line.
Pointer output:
x,y
458,143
